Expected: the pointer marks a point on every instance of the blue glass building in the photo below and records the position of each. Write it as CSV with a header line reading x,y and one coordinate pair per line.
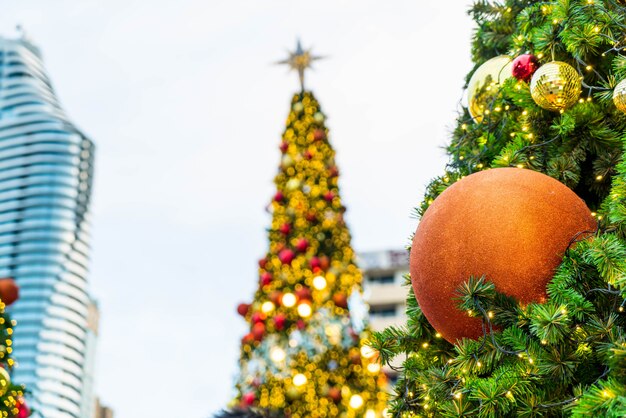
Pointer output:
x,y
46,167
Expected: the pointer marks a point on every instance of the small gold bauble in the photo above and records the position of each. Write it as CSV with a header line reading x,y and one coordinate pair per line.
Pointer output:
x,y
555,86
5,381
619,96
484,84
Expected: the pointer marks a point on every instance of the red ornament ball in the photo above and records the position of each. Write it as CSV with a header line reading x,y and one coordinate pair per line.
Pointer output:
x,y
311,217
279,197
334,394
341,300
276,297
9,291
329,196
262,263
279,321
243,308
266,278
283,147
525,66
247,339
303,293
319,135
248,399
511,225
258,331
257,317
300,324
302,244
286,256
23,411
285,228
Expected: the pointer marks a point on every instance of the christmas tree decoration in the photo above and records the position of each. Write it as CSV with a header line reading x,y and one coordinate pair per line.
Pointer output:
x,y
549,330
5,381
23,411
485,82
302,330
556,86
243,308
511,213
525,66
9,291
619,96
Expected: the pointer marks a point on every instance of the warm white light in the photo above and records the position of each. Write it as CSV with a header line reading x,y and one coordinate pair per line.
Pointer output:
x,y
373,367
299,379
304,310
367,351
267,307
277,354
319,283
356,402
289,300
370,414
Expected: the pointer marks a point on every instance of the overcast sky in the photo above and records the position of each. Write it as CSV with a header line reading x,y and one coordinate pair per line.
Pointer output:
x,y
187,112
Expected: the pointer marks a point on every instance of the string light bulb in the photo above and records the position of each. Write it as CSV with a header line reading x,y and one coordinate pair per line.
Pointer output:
x,y
277,354
356,401
304,310
319,283
267,307
288,300
299,380
367,351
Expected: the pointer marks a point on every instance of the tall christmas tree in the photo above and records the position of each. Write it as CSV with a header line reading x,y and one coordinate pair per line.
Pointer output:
x,y
547,95
305,354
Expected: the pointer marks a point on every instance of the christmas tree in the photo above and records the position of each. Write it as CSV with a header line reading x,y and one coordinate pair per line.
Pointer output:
x,y
306,352
547,94
12,403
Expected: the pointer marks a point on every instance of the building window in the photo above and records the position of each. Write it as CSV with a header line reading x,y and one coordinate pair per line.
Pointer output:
x,y
386,279
382,311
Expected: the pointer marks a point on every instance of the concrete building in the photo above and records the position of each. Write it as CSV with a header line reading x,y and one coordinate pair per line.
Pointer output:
x,y
383,279
46,168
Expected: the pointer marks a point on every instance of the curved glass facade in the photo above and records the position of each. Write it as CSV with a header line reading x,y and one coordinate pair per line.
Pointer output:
x,y
46,167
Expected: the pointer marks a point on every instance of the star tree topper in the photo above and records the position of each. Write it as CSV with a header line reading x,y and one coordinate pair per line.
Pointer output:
x,y
300,60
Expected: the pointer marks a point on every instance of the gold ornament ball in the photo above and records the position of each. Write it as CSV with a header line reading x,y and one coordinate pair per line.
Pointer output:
x,y
556,86
5,381
484,83
619,96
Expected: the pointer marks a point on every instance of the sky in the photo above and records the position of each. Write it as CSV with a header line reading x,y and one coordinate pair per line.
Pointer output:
x,y
186,111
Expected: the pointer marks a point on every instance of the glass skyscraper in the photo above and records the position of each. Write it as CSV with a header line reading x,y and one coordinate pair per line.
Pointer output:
x,y
46,167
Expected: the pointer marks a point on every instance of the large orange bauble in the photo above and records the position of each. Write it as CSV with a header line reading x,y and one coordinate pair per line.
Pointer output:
x,y
511,225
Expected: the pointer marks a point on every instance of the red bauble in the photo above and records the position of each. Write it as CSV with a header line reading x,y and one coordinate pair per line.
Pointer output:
x,y
329,196
285,228
300,324
286,256
248,399
247,339
525,66
283,147
279,197
334,394
258,331
276,296
303,293
333,171
315,263
307,155
23,411
279,321
266,278
262,262
257,317
511,225
319,135
311,217
9,291
243,308
302,244
341,300
324,262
